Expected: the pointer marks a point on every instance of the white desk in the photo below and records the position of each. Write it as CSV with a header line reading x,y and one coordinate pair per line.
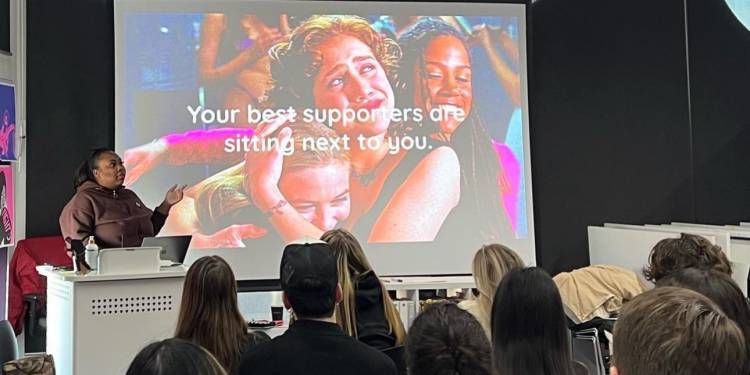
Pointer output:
x,y
432,282
407,289
96,324
629,246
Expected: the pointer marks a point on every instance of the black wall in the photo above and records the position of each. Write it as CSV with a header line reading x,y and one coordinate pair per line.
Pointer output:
x,y
609,120
613,137
719,83
5,25
70,100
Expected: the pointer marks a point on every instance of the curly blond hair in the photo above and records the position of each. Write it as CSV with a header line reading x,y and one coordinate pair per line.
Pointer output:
x,y
296,60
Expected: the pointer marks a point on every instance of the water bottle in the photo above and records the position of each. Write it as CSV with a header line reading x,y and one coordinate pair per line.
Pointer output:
x,y
92,253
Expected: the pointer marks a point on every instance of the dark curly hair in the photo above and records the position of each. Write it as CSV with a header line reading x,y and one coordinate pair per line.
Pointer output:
x,y
444,339
295,61
673,254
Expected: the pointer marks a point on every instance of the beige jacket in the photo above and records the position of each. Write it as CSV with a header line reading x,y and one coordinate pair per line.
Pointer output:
x,y
596,291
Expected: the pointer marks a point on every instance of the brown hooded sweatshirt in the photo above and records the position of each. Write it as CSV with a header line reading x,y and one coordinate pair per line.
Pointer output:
x,y
116,218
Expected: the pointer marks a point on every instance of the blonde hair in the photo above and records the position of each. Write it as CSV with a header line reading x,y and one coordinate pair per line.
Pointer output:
x,y
296,60
352,263
224,192
491,263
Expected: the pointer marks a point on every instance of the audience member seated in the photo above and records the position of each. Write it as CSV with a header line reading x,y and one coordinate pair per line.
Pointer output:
x,y
676,331
444,339
366,310
490,264
314,343
209,314
529,330
673,254
719,288
596,291
174,357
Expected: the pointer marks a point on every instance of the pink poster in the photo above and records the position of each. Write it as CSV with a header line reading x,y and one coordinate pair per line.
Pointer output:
x,y
7,222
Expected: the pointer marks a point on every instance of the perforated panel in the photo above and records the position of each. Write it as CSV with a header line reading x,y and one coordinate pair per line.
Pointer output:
x,y
131,305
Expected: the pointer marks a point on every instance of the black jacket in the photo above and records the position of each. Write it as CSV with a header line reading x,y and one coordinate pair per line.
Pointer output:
x,y
372,326
315,348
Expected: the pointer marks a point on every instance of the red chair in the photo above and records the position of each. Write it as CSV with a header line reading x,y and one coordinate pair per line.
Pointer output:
x,y
26,288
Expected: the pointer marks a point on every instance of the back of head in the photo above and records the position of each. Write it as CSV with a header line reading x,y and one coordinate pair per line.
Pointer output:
x,y
174,357
491,263
347,249
719,288
309,279
352,262
209,314
669,330
673,254
529,330
445,339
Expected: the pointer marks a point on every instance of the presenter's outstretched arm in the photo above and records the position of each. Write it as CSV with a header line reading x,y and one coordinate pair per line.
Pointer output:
x,y
173,196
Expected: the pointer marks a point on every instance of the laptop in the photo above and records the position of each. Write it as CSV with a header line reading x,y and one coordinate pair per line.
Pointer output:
x,y
173,248
130,260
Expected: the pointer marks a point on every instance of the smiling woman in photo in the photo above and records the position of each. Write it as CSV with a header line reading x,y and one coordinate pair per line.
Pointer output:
x,y
436,75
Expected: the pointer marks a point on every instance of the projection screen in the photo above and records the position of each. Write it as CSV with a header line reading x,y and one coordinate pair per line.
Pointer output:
x,y
404,123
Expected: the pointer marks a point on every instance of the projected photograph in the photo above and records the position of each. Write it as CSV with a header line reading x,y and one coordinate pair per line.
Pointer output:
x,y
286,123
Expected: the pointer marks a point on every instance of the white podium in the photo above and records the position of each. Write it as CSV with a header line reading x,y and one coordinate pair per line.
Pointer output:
x,y
96,324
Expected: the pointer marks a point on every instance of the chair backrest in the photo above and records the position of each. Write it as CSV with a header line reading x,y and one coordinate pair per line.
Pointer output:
x,y
8,343
396,354
587,351
49,250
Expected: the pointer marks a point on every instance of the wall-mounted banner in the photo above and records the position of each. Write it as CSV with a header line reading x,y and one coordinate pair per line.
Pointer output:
x,y
7,121
7,217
